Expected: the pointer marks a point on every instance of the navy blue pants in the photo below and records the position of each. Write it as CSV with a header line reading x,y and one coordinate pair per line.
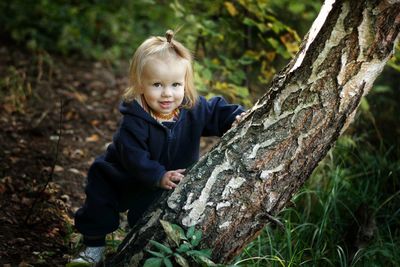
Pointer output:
x,y
105,199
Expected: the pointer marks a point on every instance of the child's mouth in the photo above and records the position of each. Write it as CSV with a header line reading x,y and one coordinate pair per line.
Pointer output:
x,y
165,104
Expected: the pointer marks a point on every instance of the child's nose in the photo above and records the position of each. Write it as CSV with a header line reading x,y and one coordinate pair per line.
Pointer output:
x,y
167,91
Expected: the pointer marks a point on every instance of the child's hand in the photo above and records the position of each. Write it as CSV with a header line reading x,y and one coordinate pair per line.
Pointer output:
x,y
171,178
238,119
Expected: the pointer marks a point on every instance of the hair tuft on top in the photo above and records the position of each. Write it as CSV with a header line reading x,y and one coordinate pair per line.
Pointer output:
x,y
169,35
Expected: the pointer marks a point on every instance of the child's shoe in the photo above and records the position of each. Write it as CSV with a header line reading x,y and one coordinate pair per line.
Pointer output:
x,y
90,255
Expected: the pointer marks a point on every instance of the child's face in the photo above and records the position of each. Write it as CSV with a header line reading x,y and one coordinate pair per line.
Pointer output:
x,y
163,83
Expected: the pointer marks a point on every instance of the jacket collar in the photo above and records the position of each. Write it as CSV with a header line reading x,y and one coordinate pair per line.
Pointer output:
x,y
133,108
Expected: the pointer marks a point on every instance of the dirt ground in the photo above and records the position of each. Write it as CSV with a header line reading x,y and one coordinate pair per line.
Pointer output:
x,y
44,157
56,115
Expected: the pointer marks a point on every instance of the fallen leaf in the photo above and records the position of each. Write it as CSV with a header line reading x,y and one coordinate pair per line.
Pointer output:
x,y
46,169
58,168
71,115
9,108
14,160
2,188
95,122
76,171
92,138
77,154
26,201
65,198
80,97
15,198
53,232
95,85
54,137
8,181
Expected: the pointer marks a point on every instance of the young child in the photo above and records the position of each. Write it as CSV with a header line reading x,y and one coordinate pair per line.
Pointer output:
x,y
158,137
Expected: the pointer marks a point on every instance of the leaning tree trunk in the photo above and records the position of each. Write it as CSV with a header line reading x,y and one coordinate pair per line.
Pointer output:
x,y
233,191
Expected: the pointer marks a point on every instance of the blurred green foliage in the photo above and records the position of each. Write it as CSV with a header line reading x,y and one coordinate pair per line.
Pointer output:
x,y
238,45
92,28
14,89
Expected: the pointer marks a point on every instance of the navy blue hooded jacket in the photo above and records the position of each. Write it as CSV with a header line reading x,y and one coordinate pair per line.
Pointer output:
x,y
143,149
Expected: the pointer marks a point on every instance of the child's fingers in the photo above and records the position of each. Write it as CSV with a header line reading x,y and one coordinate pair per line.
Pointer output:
x,y
171,185
177,178
177,175
240,116
166,185
172,178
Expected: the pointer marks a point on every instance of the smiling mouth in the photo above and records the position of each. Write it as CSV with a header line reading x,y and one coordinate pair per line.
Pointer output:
x,y
165,104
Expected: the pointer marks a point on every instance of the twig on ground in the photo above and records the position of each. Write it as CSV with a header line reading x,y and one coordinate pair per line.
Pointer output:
x,y
50,178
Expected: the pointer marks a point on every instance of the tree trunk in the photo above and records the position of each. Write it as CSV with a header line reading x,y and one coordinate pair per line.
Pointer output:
x,y
235,189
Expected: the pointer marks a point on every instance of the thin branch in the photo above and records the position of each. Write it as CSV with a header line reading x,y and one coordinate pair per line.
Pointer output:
x,y
50,178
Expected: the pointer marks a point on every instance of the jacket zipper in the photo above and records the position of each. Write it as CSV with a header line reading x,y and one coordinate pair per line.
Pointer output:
x,y
169,139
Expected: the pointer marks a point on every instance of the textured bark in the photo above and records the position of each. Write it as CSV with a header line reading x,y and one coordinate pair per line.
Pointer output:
x,y
233,191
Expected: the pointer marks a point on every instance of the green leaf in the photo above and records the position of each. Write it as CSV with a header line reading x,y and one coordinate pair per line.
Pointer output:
x,y
190,231
181,260
180,230
206,252
381,89
206,260
153,262
173,231
168,262
296,7
231,8
242,91
197,253
207,74
196,238
154,253
161,247
250,22
273,42
184,247
364,105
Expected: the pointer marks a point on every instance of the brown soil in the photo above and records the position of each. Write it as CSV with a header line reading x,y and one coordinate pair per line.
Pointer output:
x,y
36,225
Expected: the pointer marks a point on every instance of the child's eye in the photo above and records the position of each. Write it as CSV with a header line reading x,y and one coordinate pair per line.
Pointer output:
x,y
176,84
157,84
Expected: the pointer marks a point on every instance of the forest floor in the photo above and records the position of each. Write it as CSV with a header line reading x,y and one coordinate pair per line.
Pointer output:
x,y
44,157
42,180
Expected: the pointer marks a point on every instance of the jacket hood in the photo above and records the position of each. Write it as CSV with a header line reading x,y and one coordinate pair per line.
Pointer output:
x,y
134,109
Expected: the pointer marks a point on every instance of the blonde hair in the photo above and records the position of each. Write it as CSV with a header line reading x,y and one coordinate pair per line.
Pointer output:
x,y
163,47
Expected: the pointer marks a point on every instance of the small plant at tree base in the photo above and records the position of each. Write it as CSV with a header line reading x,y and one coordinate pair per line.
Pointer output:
x,y
183,247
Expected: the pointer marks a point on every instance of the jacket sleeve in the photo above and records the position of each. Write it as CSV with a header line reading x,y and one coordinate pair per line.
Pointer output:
x,y
219,115
134,155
